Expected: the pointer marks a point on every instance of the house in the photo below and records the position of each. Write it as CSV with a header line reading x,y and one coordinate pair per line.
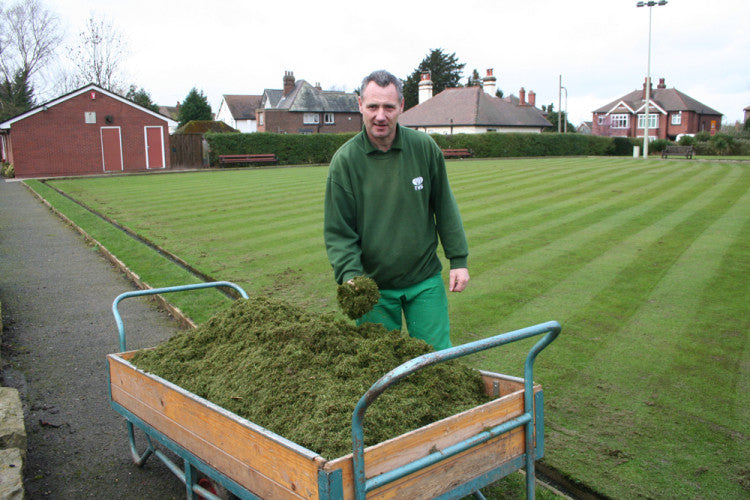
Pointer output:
x,y
238,111
473,110
300,108
747,113
670,113
584,128
88,131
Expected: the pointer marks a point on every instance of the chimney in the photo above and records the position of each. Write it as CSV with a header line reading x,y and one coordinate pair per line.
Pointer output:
x,y
661,85
288,82
425,87
651,90
317,86
489,83
522,97
532,98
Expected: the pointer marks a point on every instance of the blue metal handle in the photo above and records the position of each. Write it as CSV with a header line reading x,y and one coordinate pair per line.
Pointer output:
x,y
362,486
154,291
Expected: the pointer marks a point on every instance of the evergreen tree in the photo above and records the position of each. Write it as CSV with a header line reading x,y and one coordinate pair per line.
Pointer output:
x,y
474,79
140,96
194,107
445,71
16,96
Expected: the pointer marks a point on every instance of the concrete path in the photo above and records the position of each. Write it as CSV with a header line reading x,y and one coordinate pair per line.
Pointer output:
x,y
56,295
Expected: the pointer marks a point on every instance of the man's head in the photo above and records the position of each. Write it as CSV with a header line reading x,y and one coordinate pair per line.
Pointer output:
x,y
381,101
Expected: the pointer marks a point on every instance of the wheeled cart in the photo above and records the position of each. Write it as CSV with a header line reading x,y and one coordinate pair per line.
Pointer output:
x,y
451,458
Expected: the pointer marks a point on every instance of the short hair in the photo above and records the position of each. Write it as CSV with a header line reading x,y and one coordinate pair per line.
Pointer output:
x,y
383,79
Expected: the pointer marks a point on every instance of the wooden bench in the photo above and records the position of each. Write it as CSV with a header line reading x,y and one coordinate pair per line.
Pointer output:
x,y
686,151
250,158
456,153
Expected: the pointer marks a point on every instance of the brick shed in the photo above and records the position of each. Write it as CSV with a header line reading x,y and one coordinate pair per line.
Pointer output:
x,y
88,131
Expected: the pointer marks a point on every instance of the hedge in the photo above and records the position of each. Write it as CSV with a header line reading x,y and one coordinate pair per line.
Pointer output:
x,y
298,149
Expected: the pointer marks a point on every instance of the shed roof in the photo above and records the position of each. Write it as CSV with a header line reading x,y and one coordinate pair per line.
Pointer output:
x,y
203,126
467,106
54,102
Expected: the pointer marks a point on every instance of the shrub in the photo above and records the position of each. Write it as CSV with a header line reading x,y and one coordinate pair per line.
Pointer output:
x,y
297,149
686,140
702,136
659,145
8,171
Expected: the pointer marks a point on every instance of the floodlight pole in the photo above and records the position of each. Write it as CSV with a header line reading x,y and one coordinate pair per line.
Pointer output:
x,y
648,4
565,118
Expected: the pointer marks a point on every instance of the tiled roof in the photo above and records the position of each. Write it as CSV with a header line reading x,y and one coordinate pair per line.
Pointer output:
x,y
471,106
668,99
305,97
242,107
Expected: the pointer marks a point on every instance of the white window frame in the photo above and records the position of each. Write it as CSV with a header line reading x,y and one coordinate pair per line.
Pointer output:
x,y
653,120
261,119
677,118
328,119
311,118
620,120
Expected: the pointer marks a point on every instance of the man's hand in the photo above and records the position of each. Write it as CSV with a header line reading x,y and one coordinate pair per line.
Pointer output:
x,y
458,279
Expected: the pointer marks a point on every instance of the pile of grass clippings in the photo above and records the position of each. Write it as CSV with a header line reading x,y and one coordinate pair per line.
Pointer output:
x,y
300,375
357,296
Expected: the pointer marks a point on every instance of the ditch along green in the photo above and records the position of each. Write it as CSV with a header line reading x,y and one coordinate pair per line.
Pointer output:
x,y
644,262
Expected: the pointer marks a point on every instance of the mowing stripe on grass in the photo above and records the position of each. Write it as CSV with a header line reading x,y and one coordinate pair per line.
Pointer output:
x,y
631,256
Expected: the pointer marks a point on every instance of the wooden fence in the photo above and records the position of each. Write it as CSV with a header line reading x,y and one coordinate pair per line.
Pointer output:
x,y
188,151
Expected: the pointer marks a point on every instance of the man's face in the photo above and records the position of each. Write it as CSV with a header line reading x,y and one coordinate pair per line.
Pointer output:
x,y
380,108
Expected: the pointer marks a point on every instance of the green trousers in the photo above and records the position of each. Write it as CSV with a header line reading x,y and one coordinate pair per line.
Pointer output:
x,y
424,306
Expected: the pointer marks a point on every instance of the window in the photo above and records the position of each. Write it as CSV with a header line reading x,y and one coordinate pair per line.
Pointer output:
x,y
619,121
653,120
261,120
328,119
677,118
602,119
311,118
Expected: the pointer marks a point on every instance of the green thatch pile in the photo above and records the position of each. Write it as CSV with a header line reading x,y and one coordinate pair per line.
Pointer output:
x,y
300,375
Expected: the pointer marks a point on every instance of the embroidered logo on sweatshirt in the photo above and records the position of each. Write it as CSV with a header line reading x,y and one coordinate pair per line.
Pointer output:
x,y
418,183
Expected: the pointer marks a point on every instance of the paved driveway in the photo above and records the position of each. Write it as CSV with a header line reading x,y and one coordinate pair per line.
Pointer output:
x,y
56,295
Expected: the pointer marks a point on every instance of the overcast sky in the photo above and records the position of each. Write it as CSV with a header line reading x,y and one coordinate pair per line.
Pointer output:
x,y
600,48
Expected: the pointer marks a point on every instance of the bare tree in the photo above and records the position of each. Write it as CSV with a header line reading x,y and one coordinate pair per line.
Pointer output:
x,y
29,36
98,55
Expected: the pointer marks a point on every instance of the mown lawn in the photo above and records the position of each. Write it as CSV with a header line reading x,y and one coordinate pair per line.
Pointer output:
x,y
645,263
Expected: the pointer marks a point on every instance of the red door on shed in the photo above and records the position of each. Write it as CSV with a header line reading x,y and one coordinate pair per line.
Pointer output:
x,y
154,147
111,149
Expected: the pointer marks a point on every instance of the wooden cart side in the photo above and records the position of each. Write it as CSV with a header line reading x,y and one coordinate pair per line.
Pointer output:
x,y
255,460
456,470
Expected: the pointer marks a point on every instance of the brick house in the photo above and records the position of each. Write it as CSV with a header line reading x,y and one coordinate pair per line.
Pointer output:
x,y
238,111
473,110
300,108
671,113
88,131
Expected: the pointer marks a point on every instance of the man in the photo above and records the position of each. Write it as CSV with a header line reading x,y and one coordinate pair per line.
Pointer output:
x,y
387,200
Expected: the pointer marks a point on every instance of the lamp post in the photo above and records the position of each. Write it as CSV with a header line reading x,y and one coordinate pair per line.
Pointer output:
x,y
565,115
648,4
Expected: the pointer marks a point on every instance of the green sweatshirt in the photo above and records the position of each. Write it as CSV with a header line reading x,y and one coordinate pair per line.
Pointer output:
x,y
385,210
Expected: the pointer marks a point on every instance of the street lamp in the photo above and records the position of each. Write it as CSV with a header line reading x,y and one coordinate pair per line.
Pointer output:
x,y
565,116
648,4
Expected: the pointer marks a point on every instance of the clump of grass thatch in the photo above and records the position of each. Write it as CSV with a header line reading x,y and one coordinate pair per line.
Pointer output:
x,y
300,374
357,296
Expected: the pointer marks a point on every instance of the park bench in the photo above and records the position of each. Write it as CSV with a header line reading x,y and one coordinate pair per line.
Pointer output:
x,y
456,153
686,151
248,158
